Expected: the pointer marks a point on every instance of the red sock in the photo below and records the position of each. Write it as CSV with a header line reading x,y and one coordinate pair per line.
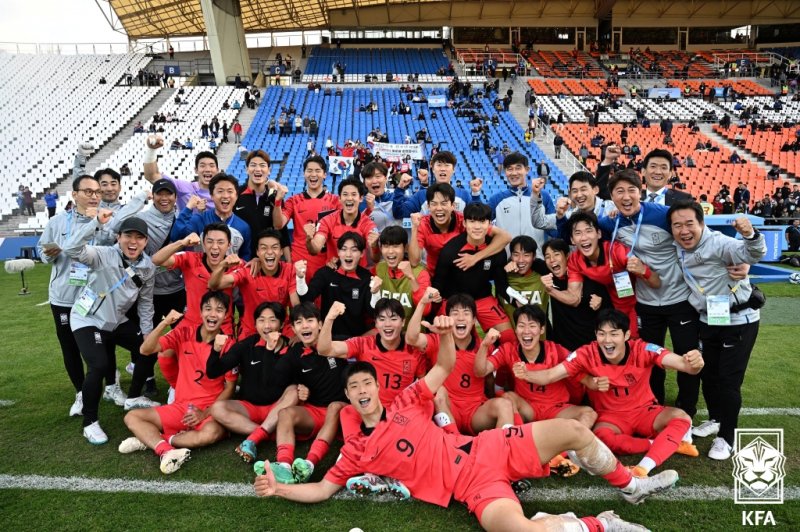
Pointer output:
x,y
319,448
518,419
285,453
593,524
620,477
169,368
622,443
258,435
667,441
163,447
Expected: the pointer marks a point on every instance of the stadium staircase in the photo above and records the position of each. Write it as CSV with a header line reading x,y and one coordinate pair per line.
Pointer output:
x,y
228,150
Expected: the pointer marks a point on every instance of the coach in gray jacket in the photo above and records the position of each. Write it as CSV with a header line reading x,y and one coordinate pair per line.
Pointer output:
x,y
729,311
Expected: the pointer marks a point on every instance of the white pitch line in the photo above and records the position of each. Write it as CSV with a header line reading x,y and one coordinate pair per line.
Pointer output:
x,y
230,489
43,303
6,402
761,412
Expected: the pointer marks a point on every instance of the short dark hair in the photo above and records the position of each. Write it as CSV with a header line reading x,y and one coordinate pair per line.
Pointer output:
x,y
461,300
315,159
556,244
108,171
628,175
686,205
394,235
275,307
359,241
616,318
220,177
260,154
579,216
358,367
268,233
445,189
526,243
205,155
372,167
219,295
306,309
657,154
703,197
583,177
445,157
218,226
532,312
478,212
76,183
516,158
350,182
391,305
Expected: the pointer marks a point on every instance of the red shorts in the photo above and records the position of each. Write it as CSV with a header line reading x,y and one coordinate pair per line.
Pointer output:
x,y
463,412
542,411
498,457
490,313
172,418
635,423
318,415
257,413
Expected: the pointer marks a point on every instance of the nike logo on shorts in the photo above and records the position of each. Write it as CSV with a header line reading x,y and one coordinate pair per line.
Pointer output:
x,y
254,362
686,322
306,370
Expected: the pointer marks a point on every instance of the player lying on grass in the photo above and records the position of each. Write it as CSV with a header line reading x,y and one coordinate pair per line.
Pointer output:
x,y
171,430
629,420
401,442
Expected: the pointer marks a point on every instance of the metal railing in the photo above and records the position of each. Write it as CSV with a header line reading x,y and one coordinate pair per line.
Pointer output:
x,y
570,161
64,48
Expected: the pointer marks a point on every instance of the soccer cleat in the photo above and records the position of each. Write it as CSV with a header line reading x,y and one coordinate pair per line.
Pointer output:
x,y
720,450
563,467
637,471
283,472
247,450
302,470
521,486
367,484
397,488
133,403
94,434
130,367
706,428
614,523
131,445
115,394
173,459
171,395
259,468
150,389
644,487
687,449
77,407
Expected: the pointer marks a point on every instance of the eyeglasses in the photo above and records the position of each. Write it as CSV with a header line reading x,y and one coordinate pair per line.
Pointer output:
x,y
90,192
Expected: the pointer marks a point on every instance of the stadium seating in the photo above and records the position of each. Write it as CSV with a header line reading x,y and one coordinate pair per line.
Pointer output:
x,y
562,64
572,86
744,87
50,104
767,145
574,109
378,61
673,62
764,106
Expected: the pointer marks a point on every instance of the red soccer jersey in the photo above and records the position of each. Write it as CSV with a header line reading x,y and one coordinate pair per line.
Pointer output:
x,y
463,387
193,386
550,354
256,290
629,380
196,275
432,240
301,209
396,369
408,446
333,226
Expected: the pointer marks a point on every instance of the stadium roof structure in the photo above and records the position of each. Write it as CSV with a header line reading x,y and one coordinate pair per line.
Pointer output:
x,y
143,19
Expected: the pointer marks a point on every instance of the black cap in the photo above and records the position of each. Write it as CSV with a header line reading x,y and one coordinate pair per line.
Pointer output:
x,y
164,184
133,224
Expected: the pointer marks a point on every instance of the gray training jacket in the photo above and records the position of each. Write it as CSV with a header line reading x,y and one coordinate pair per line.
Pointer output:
x,y
159,226
707,264
108,232
106,268
59,229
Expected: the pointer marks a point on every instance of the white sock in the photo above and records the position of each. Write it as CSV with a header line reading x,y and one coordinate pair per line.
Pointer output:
x,y
647,464
688,436
631,487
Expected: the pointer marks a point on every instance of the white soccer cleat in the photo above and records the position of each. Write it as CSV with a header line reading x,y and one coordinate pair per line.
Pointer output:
x,y
614,523
130,367
720,450
644,487
131,445
172,460
94,434
171,395
705,429
115,394
77,407
132,403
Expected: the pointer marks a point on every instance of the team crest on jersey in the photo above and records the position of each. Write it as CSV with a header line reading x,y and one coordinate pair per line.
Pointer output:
x,y
64,317
406,367
657,239
267,211
332,362
98,338
487,265
630,379
355,293
572,356
400,419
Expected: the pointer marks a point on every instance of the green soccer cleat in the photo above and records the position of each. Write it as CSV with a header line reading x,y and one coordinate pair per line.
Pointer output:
x,y
302,470
283,473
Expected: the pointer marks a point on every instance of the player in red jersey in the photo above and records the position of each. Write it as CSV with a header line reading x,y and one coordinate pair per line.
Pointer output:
x,y
465,391
304,208
331,227
432,231
625,404
400,441
608,263
171,430
531,353
268,280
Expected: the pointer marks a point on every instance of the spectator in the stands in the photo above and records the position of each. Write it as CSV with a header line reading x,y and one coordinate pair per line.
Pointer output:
x,y
689,161
736,158
741,197
51,200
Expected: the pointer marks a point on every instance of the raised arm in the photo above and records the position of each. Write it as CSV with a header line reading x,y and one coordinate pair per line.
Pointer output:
x,y
150,344
151,171
165,256
500,239
78,248
642,270
571,296
482,366
541,377
691,363
414,328
220,280
414,246
325,344
446,359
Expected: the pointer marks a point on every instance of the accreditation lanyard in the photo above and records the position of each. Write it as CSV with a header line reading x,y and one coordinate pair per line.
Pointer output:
x,y
718,307
89,301
633,242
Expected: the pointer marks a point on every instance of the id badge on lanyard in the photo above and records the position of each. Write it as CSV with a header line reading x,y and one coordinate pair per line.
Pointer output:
x,y
622,283
719,310
88,300
78,274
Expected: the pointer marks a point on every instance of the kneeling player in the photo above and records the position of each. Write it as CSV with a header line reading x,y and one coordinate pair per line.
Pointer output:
x,y
170,430
624,402
400,441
